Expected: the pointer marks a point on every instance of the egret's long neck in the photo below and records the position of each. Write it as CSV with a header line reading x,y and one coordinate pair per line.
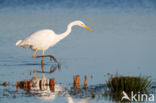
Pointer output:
x,y
67,32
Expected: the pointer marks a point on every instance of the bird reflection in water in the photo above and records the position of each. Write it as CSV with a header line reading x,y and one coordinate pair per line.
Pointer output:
x,y
53,67
46,89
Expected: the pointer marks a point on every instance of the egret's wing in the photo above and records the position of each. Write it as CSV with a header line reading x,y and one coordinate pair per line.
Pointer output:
x,y
37,39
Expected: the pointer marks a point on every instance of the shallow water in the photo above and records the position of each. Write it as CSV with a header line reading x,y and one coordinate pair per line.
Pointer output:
x,y
122,42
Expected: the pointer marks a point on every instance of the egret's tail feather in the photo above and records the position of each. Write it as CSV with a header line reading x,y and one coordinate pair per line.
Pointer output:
x,y
18,43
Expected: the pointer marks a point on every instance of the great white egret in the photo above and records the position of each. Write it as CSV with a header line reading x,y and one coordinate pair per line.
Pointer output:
x,y
43,39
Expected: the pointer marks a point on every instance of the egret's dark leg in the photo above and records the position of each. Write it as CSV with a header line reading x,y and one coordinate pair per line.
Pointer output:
x,y
50,56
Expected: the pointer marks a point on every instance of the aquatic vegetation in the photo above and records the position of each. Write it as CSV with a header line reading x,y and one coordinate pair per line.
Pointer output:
x,y
112,90
118,85
128,84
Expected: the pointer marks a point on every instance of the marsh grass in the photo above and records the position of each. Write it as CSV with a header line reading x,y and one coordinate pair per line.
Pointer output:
x,y
128,84
117,84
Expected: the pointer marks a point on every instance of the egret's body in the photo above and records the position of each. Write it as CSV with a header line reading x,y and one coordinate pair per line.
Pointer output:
x,y
43,39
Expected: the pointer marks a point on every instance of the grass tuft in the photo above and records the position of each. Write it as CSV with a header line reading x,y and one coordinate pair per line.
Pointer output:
x,y
128,84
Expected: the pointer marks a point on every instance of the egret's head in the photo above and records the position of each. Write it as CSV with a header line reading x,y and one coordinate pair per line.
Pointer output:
x,y
81,24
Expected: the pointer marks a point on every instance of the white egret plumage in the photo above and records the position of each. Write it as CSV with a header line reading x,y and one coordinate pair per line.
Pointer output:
x,y
43,39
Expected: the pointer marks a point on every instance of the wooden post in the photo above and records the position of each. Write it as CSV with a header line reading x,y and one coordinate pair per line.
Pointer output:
x,y
85,82
76,81
40,84
5,84
29,84
52,84
20,84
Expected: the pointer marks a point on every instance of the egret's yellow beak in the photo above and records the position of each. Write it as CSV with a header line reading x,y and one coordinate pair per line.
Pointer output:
x,y
87,27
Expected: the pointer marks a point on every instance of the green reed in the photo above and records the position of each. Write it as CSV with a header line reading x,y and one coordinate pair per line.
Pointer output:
x,y
128,84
